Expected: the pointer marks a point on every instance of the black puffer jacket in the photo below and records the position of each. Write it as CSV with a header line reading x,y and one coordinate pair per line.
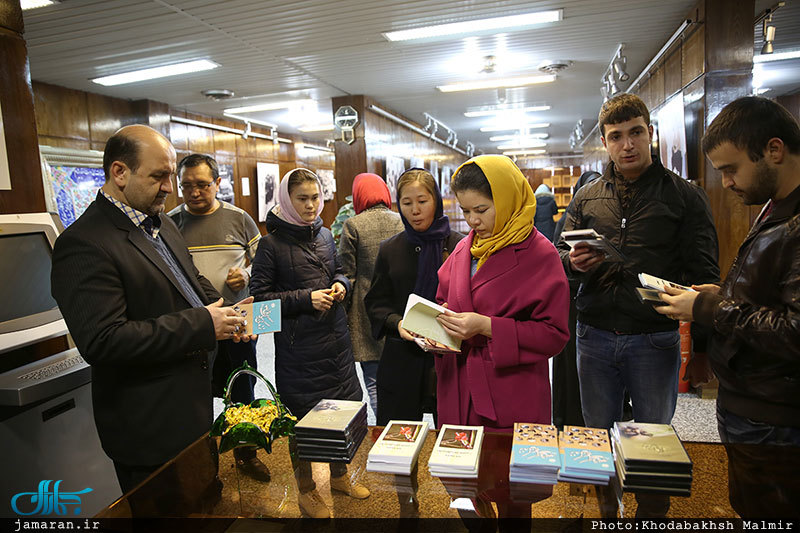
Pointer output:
x,y
313,354
755,349
667,231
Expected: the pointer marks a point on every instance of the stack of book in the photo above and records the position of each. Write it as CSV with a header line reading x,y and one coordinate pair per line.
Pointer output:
x,y
534,454
397,449
332,431
651,458
585,456
457,452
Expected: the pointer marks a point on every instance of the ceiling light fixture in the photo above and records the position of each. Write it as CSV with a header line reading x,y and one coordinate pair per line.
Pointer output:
x,y
286,104
477,26
134,76
509,127
35,4
317,127
500,109
497,138
522,145
780,56
496,83
768,31
524,152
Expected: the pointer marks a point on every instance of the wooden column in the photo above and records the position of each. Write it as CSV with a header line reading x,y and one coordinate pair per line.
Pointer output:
x,y
728,76
19,123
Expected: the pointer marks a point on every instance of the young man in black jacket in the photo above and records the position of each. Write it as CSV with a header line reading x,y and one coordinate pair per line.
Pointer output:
x,y
662,225
755,314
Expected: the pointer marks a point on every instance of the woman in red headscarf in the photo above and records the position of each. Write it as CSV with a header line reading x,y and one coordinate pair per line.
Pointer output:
x,y
358,248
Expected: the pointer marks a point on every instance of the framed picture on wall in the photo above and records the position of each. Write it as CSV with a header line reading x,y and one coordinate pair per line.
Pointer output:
x,y
267,181
444,180
394,168
71,180
328,183
672,136
5,175
225,192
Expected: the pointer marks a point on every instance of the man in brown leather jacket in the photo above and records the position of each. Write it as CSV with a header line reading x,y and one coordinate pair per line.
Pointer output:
x,y
755,144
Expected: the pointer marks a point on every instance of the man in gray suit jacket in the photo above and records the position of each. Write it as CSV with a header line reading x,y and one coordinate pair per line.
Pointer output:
x,y
139,311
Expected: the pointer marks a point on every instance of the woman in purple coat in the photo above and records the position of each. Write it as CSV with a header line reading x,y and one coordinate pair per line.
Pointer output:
x,y
508,298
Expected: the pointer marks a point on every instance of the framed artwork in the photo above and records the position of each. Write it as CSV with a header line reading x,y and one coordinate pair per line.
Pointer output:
x,y
267,182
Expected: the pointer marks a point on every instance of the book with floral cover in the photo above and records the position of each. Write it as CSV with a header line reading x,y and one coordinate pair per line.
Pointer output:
x,y
457,451
398,447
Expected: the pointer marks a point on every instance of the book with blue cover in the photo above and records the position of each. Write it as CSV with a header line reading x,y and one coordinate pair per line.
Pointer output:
x,y
262,317
586,455
535,456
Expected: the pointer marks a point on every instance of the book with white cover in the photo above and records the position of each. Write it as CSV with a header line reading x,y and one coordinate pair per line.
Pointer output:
x,y
420,318
659,284
594,240
399,444
457,451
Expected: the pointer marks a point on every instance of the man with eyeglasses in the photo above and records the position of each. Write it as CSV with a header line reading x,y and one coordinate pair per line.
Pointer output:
x,y
222,240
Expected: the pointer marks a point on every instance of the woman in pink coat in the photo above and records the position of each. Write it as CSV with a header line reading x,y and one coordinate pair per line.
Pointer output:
x,y
508,298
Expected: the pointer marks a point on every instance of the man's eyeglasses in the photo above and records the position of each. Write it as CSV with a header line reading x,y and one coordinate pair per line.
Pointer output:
x,y
199,186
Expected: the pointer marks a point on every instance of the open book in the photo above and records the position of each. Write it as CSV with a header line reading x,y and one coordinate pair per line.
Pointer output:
x,y
420,318
595,240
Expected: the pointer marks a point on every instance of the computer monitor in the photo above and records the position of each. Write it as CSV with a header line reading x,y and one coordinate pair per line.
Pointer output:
x,y
29,313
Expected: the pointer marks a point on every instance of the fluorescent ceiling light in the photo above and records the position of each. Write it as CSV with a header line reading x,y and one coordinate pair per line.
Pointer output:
x,y
33,4
521,145
496,110
516,127
317,127
472,26
156,72
497,138
765,58
524,152
496,83
286,104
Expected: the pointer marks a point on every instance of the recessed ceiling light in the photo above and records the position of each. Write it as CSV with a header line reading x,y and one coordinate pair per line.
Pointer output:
x,y
477,26
497,138
508,127
317,127
34,4
765,58
286,104
524,152
157,72
496,83
521,145
498,109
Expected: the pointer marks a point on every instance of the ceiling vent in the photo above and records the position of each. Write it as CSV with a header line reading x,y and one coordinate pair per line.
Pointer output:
x,y
554,66
218,94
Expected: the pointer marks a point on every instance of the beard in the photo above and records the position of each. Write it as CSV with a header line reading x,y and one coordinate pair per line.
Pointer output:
x,y
765,182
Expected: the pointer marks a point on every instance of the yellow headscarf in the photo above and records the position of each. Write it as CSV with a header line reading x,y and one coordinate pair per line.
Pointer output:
x,y
514,205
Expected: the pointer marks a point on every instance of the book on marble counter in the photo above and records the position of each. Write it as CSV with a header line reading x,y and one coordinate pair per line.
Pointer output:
x,y
331,453
534,454
650,448
586,455
457,452
333,419
397,448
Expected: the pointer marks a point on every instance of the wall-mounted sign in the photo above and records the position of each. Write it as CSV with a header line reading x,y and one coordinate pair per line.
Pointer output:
x,y
346,119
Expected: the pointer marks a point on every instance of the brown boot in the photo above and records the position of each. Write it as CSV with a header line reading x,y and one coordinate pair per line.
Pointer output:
x,y
312,505
351,488
250,465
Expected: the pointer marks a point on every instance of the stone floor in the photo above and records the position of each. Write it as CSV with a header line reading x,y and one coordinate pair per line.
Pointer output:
x,y
694,417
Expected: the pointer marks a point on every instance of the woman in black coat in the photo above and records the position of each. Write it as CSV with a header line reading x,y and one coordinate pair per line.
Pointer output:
x,y
296,262
407,263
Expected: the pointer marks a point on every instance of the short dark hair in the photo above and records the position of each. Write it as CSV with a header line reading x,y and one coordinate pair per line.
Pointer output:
x,y
299,176
470,177
749,123
120,147
195,160
622,108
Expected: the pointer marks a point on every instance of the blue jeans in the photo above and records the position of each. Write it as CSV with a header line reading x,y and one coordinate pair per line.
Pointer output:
x,y
370,371
646,365
740,430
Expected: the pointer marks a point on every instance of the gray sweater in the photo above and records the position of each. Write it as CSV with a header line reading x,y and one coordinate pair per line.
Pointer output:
x,y
358,248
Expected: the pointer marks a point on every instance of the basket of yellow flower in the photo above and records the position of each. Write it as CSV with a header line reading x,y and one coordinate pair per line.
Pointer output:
x,y
256,424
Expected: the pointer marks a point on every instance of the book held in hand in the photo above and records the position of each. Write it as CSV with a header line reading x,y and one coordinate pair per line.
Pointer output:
x,y
397,449
658,284
594,240
420,318
457,452
261,317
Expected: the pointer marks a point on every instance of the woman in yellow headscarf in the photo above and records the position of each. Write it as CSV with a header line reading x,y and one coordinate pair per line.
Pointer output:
x,y
508,300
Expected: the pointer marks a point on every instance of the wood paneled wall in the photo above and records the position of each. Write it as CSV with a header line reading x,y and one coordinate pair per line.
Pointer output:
x,y
81,120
